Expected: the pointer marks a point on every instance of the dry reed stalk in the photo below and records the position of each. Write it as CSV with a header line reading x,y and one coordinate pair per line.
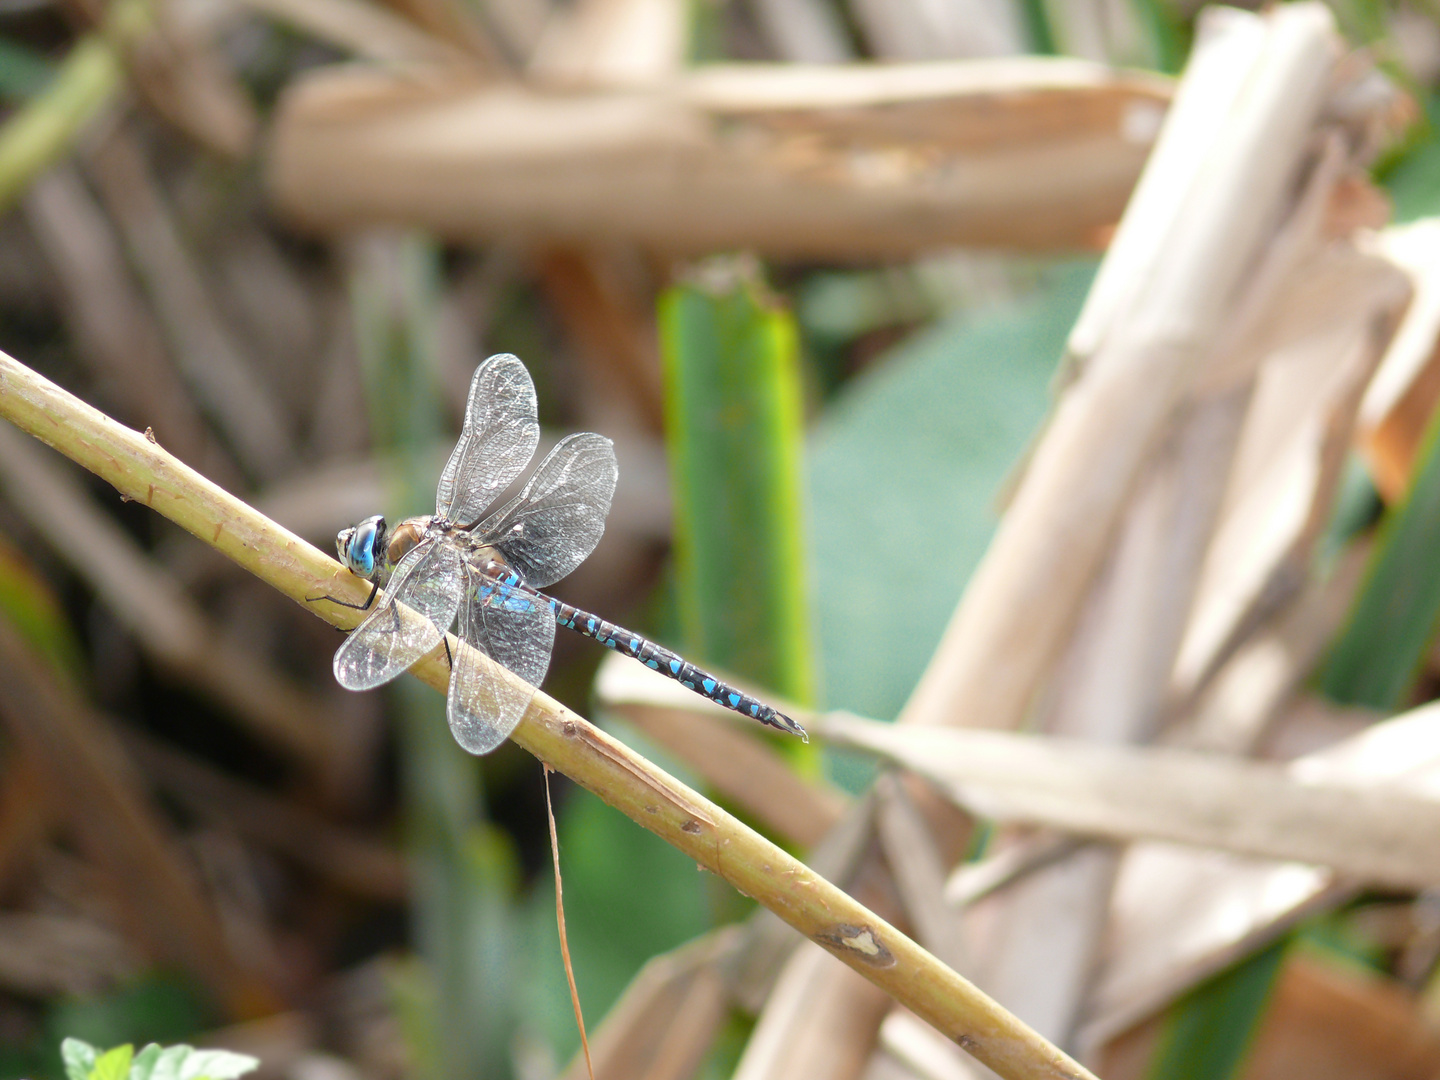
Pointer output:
x,y
1232,712
347,859
851,162
186,81
669,1015
49,954
365,29
221,376
1323,331
1315,344
109,813
1327,331
1180,915
149,602
1401,399
917,30
918,871
110,322
1130,793
803,31
1024,598
611,43
757,868
819,1021
28,814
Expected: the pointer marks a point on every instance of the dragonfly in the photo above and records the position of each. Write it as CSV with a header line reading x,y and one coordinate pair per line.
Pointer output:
x,y
484,565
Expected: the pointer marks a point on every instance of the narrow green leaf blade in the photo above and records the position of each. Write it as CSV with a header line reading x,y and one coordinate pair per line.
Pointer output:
x,y
734,429
1209,1031
1379,653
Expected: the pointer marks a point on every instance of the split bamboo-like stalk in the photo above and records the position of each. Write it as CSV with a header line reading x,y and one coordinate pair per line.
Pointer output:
x,y
822,912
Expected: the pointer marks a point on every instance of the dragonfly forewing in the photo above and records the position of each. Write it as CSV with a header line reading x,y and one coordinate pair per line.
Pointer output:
x,y
497,440
428,581
514,628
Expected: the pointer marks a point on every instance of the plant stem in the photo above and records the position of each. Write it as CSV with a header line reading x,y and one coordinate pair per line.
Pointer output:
x,y
142,470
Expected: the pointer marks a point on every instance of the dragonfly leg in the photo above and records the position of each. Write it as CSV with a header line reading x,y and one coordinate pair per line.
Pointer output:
x,y
374,588
449,660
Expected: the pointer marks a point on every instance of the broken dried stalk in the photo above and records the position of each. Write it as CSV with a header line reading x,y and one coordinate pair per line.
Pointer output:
x,y
855,161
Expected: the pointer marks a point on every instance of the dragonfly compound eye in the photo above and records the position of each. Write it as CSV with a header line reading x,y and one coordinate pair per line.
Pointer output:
x,y
357,546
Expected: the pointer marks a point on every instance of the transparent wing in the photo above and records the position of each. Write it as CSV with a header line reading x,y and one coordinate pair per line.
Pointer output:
x,y
516,630
429,580
497,440
552,526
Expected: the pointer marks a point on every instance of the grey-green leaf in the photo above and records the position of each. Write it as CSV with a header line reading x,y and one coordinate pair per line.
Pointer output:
x,y
143,1067
217,1065
79,1058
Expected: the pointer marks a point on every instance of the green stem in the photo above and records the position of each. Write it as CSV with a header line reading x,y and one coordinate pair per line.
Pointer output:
x,y
145,472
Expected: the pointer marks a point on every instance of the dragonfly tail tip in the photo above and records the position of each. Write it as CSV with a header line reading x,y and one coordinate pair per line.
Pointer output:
x,y
784,723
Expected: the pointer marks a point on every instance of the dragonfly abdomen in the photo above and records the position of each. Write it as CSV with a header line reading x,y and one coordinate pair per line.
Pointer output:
x,y
661,659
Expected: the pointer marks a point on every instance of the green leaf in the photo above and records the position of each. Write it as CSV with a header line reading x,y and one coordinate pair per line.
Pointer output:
x,y
734,431
1411,173
167,1063
905,468
79,1058
113,1064
144,1065
1208,1032
216,1065
1379,653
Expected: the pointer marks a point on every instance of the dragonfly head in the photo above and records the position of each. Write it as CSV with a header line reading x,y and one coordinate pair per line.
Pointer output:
x,y
362,547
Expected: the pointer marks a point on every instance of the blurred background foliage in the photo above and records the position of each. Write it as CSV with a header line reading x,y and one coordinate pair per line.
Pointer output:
x,y
839,438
